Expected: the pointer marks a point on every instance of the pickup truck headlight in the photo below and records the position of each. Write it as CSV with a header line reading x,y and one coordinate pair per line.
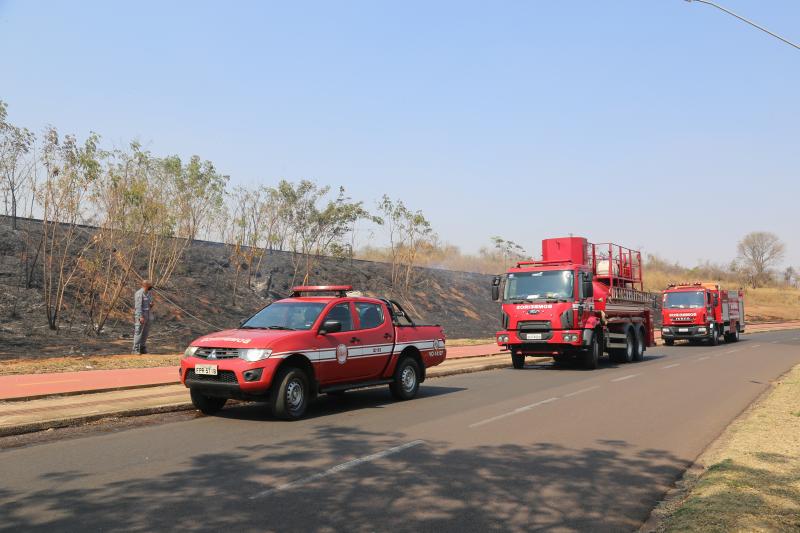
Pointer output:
x,y
189,352
254,354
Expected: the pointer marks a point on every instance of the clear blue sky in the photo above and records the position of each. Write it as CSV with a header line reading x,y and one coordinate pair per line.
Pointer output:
x,y
655,123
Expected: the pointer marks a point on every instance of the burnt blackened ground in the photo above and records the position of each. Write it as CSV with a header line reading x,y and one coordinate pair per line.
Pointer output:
x,y
202,292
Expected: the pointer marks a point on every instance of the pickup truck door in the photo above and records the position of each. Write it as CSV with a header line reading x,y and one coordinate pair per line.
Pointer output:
x,y
375,339
335,364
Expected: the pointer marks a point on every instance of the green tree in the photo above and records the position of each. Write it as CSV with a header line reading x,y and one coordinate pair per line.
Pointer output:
x,y
71,169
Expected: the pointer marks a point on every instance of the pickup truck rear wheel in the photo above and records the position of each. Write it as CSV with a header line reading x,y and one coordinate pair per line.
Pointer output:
x,y
406,379
518,360
290,394
208,405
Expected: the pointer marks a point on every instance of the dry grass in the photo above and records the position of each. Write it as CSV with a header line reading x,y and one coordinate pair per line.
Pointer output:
x,y
79,363
454,343
753,483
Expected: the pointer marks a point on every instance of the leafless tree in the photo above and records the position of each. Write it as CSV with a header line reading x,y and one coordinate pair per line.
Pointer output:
x,y
758,252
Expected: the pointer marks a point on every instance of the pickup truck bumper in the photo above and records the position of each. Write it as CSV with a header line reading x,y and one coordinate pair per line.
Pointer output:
x,y
235,378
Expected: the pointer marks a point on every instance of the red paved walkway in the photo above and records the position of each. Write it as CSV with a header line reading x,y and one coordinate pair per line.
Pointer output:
x,y
27,385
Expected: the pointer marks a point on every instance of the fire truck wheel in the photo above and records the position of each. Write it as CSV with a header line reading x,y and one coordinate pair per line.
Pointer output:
x,y
208,405
732,336
518,360
406,379
290,397
625,355
561,360
591,357
638,347
713,339
669,342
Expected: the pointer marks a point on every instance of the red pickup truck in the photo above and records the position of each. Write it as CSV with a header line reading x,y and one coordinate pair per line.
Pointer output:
x,y
319,340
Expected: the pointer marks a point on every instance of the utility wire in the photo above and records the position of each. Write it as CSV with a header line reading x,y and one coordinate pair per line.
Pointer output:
x,y
762,28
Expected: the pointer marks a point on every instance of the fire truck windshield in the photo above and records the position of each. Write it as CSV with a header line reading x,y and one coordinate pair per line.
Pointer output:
x,y
285,315
544,285
682,300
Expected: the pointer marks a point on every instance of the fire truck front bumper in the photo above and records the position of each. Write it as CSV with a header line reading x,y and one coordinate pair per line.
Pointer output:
x,y
546,343
685,332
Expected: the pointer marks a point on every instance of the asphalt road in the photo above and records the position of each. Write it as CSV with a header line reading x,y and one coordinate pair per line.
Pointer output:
x,y
538,449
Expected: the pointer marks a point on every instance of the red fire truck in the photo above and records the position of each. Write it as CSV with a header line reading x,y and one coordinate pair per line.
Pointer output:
x,y
701,312
320,340
579,301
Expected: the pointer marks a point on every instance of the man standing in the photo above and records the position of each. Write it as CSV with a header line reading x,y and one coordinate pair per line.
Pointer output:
x,y
142,302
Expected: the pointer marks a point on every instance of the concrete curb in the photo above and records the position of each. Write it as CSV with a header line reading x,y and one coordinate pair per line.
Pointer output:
x,y
78,420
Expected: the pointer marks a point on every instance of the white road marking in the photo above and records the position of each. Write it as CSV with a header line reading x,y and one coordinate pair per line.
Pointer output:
x,y
735,350
701,359
338,468
514,412
755,346
796,338
775,342
587,389
673,365
629,376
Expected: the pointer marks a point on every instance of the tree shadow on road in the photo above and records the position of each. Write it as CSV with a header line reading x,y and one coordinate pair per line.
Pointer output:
x,y
610,485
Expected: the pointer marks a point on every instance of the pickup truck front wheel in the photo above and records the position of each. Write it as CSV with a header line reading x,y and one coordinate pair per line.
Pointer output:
x,y
208,405
406,379
290,394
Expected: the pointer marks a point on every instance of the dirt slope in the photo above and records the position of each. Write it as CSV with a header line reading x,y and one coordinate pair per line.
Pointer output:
x,y
203,287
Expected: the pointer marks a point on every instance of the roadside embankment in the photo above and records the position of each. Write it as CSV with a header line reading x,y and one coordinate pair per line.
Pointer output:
x,y
749,478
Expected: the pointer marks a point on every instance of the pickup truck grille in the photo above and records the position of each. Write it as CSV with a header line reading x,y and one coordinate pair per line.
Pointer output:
x,y
217,353
224,376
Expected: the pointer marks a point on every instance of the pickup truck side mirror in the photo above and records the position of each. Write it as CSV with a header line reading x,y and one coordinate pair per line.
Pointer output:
x,y
496,288
330,326
588,288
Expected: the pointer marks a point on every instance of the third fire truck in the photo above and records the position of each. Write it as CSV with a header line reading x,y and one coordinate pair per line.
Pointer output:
x,y
701,312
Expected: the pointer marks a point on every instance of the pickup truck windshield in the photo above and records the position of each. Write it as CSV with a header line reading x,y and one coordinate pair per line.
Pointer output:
x,y
285,315
682,300
545,285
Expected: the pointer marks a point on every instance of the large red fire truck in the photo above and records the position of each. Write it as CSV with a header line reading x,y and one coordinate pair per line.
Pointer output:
x,y
701,312
320,340
579,301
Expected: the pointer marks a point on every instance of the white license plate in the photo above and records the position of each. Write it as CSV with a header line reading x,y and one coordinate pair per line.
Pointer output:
x,y
205,370
534,336
683,330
